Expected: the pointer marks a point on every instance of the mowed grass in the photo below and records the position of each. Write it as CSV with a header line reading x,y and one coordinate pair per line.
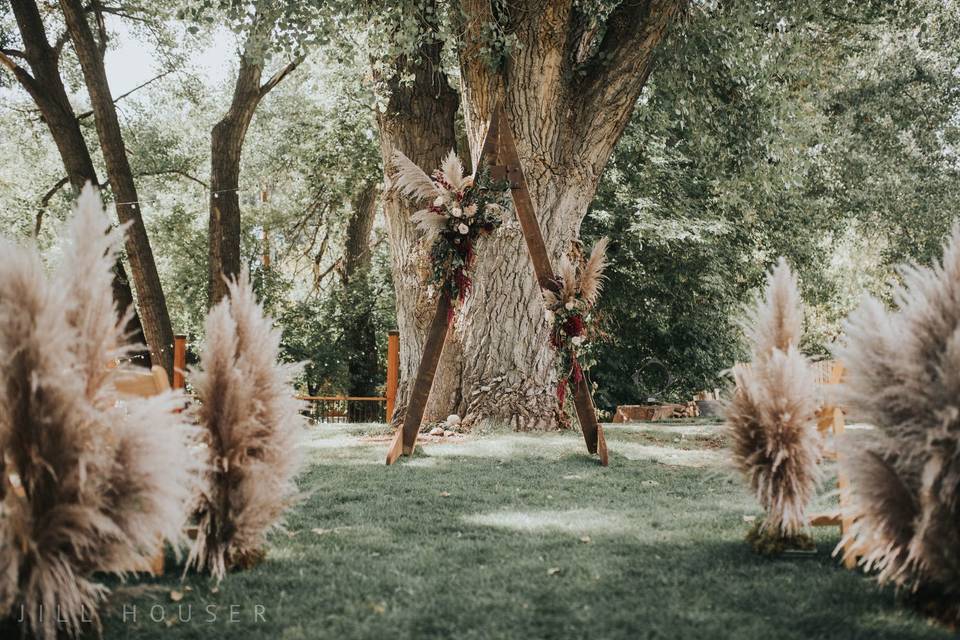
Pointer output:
x,y
520,536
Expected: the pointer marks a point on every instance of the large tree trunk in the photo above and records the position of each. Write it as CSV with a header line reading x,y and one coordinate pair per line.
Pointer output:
x,y
419,121
153,306
569,90
46,88
226,150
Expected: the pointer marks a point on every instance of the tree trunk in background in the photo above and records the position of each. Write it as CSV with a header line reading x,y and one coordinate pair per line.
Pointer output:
x,y
569,90
356,250
419,121
360,332
46,88
153,306
226,150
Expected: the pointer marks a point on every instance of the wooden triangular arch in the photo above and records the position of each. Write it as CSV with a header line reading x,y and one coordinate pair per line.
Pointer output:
x,y
499,151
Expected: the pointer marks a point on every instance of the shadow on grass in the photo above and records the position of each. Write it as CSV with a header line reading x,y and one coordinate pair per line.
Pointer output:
x,y
474,547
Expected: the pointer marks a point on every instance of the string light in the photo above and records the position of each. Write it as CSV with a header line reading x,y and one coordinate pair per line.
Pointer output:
x,y
216,194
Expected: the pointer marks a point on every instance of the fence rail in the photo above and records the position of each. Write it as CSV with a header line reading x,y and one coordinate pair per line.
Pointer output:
x,y
345,408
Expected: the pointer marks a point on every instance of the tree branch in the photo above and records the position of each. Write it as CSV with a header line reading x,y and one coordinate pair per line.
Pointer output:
x,y
177,172
22,75
278,77
14,53
87,114
633,31
612,78
44,201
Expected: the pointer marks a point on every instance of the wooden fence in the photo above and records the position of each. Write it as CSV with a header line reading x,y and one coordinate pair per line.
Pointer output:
x,y
361,408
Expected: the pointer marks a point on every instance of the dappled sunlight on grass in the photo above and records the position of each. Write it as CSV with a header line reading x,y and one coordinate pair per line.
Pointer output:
x,y
530,527
574,521
668,455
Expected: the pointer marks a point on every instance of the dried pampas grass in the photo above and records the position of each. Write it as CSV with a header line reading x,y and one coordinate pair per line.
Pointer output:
x,y
251,426
579,281
903,376
770,418
411,180
88,485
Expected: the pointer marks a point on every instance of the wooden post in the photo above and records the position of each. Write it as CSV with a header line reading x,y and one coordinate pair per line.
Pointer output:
x,y
393,371
500,150
179,361
406,437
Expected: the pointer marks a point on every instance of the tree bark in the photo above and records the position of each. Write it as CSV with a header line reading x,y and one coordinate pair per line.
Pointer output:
x,y
153,306
569,90
46,88
356,250
359,332
419,121
226,149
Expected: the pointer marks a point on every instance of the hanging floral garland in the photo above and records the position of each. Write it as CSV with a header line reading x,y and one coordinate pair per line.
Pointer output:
x,y
570,308
461,210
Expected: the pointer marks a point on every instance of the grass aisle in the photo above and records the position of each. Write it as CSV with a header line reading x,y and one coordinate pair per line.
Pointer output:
x,y
516,536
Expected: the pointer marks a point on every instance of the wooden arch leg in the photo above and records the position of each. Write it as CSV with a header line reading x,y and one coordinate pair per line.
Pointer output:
x,y
405,438
500,151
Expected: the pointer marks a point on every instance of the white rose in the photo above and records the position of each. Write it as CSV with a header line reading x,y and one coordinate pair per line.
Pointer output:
x,y
457,212
438,202
570,305
550,316
577,340
464,229
453,420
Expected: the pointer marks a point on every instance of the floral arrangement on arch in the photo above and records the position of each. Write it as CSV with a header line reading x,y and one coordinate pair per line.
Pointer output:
x,y
570,311
461,209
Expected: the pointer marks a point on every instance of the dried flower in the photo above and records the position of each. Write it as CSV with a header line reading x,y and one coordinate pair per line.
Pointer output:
x,y
770,418
902,368
252,425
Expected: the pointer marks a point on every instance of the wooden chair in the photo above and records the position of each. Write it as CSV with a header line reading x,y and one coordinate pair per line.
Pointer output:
x,y
830,418
144,383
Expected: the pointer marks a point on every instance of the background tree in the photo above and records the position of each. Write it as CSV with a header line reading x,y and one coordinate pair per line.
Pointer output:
x,y
265,29
90,51
44,84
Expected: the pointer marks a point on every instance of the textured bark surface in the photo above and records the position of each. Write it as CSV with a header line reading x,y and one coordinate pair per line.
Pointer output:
x,y
153,306
356,250
46,88
419,121
226,149
568,90
360,333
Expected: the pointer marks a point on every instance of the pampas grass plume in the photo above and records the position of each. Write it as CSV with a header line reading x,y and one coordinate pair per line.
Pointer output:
x,y
903,377
251,425
770,418
88,486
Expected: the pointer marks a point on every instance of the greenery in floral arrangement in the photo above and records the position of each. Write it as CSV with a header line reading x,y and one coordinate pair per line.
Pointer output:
x,y
569,310
461,210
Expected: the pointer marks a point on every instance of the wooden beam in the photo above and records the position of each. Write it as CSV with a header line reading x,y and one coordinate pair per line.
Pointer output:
x,y
427,369
500,150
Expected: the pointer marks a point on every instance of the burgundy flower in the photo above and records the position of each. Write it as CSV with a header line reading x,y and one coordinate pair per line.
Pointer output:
x,y
574,325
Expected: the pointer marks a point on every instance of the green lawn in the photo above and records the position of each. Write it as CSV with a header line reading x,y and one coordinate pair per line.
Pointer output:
x,y
522,536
